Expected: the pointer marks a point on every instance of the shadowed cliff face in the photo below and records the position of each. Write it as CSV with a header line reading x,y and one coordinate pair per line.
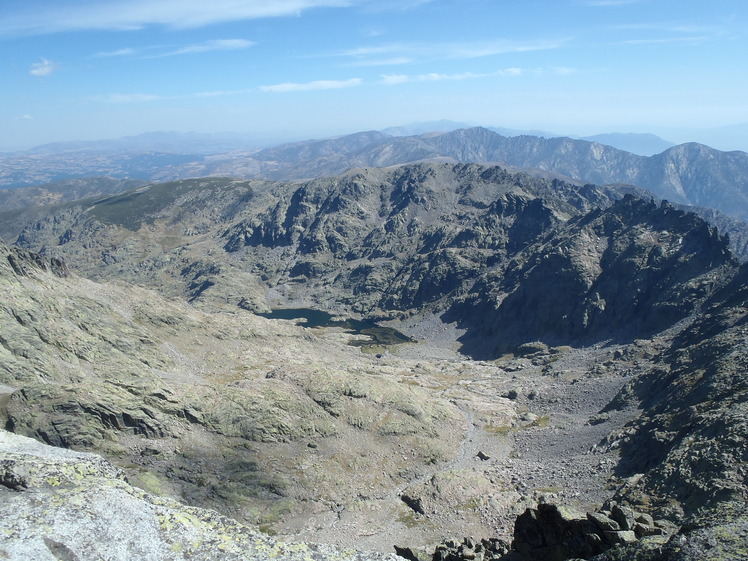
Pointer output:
x,y
628,271
690,443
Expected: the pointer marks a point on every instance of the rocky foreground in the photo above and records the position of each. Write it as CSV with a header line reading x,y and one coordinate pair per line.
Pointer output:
x,y
56,504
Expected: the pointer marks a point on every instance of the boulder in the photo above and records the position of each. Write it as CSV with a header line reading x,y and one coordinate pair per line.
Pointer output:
x,y
557,533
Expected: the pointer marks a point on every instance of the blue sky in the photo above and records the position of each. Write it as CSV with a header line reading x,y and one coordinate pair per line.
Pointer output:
x,y
292,69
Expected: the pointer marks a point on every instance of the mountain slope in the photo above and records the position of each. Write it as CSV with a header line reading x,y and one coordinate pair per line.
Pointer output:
x,y
225,409
83,525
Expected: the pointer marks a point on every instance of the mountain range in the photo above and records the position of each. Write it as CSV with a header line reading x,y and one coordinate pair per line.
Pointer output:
x,y
691,174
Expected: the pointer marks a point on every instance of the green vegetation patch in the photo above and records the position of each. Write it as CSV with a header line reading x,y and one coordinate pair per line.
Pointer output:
x,y
146,204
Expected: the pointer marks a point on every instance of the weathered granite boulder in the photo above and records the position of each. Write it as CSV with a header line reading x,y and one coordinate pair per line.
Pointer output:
x,y
469,549
557,533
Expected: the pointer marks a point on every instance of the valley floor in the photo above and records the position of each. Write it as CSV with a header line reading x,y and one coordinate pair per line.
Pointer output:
x,y
532,432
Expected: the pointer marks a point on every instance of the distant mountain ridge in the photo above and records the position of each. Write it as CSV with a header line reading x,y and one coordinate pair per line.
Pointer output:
x,y
637,143
691,174
159,141
641,144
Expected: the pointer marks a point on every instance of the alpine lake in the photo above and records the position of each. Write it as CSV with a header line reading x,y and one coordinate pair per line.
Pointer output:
x,y
377,336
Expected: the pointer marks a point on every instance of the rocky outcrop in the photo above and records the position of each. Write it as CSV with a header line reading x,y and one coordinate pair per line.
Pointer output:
x,y
470,549
62,505
557,533
467,549
632,268
20,261
687,449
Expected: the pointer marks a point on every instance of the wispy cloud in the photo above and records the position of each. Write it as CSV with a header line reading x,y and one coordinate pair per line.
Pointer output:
x,y
395,79
309,86
661,41
276,88
678,32
402,53
391,61
145,98
126,98
165,51
43,68
678,27
117,53
562,70
393,5
208,46
76,15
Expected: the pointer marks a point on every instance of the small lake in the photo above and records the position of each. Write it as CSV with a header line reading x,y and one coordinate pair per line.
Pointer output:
x,y
379,335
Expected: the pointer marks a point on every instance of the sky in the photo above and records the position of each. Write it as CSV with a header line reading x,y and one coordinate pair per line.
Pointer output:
x,y
297,69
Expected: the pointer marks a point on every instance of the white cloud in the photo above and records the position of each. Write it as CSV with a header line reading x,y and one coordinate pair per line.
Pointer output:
x,y
207,46
73,15
309,86
410,52
219,93
395,79
43,68
213,45
144,98
119,52
653,41
389,5
655,33
393,61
